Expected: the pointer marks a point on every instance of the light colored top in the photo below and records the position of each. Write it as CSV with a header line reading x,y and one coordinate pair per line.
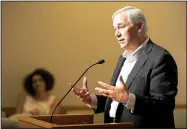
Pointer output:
x,y
37,107
125,71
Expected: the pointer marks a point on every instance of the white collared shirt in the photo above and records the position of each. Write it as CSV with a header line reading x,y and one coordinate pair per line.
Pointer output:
x,y
128,65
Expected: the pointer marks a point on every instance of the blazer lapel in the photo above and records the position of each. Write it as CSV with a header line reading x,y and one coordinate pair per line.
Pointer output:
x,y
117,70
140,62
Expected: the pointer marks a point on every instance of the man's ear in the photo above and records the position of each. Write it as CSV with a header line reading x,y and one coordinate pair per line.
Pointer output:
x,y
140,26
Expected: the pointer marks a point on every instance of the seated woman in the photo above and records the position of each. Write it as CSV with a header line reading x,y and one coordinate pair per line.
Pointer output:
x,y
40,100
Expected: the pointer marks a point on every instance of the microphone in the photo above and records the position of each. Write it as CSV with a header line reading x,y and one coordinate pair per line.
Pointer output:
x,y
99,62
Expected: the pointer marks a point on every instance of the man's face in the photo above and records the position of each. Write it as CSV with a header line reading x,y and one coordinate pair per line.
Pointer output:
x,y
125,33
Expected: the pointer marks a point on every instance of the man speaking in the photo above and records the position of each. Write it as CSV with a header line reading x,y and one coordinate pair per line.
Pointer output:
x,y
144,83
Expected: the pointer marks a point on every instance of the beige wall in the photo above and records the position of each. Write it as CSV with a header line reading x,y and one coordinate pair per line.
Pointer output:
x,y
66,37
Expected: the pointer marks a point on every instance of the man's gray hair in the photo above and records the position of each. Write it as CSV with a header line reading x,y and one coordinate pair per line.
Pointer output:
x,y
135,15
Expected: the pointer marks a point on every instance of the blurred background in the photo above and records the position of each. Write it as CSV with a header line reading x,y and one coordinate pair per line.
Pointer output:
x,y
67,37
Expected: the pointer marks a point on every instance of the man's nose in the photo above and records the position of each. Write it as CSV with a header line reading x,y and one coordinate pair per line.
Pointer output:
x,y
117,33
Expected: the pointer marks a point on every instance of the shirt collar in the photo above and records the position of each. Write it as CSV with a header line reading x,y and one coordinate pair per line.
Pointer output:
x,y
134,55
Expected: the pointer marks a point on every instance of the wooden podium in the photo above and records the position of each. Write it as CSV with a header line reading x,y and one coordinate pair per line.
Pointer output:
x,y
67,121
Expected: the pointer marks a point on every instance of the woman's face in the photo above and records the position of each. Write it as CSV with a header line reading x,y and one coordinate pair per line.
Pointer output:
x,y
38,84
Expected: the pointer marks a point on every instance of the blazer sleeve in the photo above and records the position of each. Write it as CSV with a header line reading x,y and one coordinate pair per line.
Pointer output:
x,y
101,100
163,88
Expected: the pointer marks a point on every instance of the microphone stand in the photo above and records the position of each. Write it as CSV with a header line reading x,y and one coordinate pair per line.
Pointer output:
x,y
99,62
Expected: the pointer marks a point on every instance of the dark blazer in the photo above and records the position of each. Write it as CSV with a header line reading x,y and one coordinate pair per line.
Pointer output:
x,y
153,80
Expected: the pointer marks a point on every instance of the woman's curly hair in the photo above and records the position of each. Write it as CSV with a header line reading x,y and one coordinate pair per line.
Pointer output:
x,y
47,77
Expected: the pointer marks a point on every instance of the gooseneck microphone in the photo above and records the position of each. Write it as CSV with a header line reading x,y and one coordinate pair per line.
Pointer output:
x,y
99,62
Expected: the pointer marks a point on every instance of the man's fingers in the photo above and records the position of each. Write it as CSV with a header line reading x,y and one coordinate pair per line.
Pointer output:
x,y
80,93
85,83
103,91
84,95
106,93
83,91
107,86
76,90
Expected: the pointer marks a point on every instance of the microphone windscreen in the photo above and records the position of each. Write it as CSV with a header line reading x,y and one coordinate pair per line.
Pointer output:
x,y
101,61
